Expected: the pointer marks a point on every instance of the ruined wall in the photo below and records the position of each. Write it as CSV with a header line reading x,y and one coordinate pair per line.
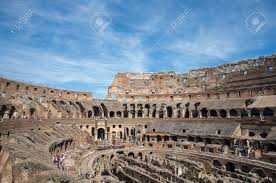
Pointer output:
x,y
21,100
239,79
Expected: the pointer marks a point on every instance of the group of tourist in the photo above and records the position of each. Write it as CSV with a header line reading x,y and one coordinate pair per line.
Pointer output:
x,y
109,146
86,175
58,160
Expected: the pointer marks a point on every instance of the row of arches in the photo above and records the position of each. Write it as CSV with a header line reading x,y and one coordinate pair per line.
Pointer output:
x,y
231,167
202,113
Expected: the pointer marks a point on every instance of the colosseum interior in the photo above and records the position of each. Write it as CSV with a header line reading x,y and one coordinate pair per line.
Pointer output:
x,y
210,125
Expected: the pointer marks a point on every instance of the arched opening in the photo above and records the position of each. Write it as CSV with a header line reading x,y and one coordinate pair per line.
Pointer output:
x,y
216,163
251,134
82,109
230,167
101,134
113,135
169,111
195,113
187,113
119,114
213,113
113,97
111,157
268,112
120,134
11,112
147,108
140,113
260,173
140,155
3,110
131,155
111,114
132,133
104,109
255,112
97,112
222,113
161,112
90,114
204,112
154,111
263,135
32,111
127,132
233,113
244,113
159,138
166,138
245,169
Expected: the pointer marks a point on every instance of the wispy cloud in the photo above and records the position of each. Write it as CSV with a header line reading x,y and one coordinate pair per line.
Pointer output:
x,y
57,45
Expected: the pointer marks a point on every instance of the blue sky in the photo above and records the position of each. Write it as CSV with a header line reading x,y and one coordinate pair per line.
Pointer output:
x,y
82,44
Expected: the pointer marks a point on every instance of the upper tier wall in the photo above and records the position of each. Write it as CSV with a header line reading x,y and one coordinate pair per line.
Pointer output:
x,y
235,78
11,86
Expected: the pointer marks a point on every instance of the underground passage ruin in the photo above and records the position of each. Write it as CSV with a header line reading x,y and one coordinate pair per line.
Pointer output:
x,y
214,125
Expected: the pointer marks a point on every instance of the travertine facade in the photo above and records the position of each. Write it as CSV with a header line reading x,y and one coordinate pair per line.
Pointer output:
x,y
209,125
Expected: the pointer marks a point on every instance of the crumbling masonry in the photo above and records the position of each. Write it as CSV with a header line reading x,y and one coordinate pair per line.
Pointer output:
x,y
209,125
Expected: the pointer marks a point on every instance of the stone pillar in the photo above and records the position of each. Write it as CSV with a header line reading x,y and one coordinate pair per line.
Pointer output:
x,y
157,113
182,113
165,112
227,113
6,114
191,114
199,114
175,111
150,113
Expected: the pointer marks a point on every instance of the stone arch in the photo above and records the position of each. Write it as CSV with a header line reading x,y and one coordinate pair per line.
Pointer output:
x,y
187,113
90,114
140,155
158,138
245,169
147,110
255,112
260,172
3,110
82,109
213,113
195,113
161,112
204,112
120,134
113,135
97,112
119,114
268,112
230,167
101,134
222,113
32,112
217,163
104,109
140,113
130,155
111,114
233,113
11,112
169,111
154,110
